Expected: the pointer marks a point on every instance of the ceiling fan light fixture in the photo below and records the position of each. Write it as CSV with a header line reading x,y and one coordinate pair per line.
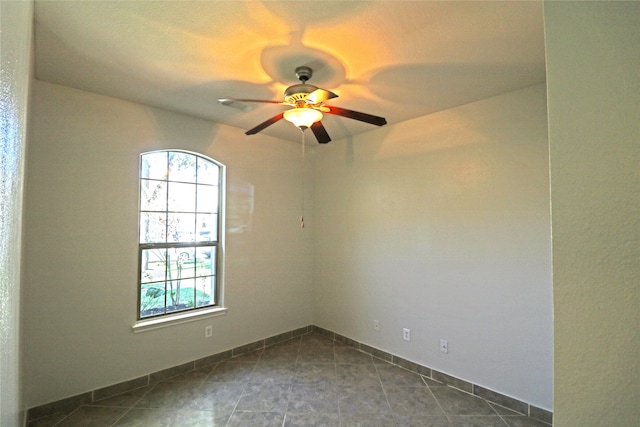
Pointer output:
x,y
303,117
308,103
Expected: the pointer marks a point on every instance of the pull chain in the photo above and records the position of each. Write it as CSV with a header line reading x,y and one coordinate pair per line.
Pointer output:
x,y
302,183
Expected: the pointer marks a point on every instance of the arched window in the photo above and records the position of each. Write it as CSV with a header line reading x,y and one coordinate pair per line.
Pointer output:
x,y
180,232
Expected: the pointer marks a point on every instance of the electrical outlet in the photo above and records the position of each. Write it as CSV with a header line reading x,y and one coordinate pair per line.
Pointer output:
x,y
376,325
208,331
406,334
444,346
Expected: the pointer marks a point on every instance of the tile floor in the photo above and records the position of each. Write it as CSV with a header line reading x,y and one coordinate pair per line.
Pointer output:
x,y
307,381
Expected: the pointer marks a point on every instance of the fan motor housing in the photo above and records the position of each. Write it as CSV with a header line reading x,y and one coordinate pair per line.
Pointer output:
x,y
296,93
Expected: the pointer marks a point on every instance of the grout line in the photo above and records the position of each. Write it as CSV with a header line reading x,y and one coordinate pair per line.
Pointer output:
x,y
384,390
438,402
136,402
122,416
503,420
67,416
233,411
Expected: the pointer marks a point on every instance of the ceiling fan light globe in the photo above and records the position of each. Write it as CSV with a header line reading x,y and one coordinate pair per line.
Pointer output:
x,y
303,117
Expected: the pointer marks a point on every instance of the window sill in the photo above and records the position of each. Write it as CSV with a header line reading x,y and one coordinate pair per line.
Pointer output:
x,y
176,319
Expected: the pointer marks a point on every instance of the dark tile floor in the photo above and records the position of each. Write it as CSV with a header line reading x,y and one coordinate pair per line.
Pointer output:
x,y
308,381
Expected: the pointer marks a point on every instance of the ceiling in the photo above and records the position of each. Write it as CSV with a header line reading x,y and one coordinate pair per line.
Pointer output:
x,y
394,59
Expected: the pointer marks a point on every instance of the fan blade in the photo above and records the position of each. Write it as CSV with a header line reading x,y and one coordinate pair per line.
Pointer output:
x,y
320,95
320,132
264,125
356,115
230,100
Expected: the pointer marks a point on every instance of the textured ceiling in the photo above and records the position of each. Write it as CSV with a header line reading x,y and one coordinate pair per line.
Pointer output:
x,y
394,59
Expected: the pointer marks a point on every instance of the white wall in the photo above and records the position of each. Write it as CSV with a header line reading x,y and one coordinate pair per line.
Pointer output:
x,y
79,300
15,71
593,75
441,225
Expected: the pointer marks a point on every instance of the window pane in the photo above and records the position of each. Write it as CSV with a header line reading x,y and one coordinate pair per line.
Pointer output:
x,y
181,227
207,227
187,293
153,195
187,263
182,167
182,197
153,227
208,172
152,300
205,261
207,198
205,294
153,265
181,263
154,166
177,257
181,294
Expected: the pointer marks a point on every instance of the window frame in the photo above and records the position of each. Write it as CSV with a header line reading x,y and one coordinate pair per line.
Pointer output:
x,y
217,276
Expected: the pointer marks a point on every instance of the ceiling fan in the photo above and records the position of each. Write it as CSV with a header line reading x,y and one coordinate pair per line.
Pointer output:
x,y
308,104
